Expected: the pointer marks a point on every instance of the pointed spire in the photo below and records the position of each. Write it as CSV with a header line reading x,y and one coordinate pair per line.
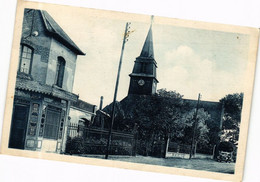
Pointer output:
x,y
147,50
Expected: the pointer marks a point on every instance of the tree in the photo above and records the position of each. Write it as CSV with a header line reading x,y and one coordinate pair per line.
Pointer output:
x,y
202,130
157,116
160,118
232,104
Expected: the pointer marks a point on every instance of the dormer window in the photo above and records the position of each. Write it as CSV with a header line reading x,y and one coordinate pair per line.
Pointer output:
x,y
60,71
26,59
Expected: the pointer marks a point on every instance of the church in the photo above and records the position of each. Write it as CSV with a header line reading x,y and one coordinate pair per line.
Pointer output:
x,y
143,84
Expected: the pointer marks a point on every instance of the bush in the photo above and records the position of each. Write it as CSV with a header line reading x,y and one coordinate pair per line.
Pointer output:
x,y
75,145
96,146
226,147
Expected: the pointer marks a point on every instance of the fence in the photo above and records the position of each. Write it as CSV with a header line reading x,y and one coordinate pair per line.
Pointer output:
x,y
178,148
183,151
89,140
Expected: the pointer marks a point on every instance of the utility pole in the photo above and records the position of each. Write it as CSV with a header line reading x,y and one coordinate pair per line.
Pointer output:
x,y
126,35
195,127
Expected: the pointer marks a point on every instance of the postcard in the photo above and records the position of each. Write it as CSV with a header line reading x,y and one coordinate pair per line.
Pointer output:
x,y
130,91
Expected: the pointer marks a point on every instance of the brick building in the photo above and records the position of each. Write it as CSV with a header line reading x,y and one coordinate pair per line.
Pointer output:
x,y
44,83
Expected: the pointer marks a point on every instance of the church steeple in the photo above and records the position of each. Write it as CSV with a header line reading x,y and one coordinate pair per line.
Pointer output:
x,y
147,50
143,79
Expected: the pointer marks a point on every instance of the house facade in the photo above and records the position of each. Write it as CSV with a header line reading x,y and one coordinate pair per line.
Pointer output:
x,y
44,83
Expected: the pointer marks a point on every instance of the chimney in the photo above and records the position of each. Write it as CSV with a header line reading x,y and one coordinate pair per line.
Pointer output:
x,y
101,103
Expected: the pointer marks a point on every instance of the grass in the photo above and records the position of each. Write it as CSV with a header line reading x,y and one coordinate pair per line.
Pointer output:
x,y
195,164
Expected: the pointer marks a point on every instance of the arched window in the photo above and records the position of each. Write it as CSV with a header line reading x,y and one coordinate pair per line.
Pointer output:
x,y
26,59
60,71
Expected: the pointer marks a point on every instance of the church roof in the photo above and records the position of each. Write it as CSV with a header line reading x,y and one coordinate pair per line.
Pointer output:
x,y
127,106
147,50
53,28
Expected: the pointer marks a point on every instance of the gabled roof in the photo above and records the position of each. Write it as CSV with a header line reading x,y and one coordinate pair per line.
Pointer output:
x,y
147,50
56,31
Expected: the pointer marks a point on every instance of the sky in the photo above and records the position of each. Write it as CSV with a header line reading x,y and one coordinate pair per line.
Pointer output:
x,y
190,61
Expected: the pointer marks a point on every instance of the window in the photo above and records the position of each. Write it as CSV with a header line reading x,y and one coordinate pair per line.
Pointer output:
x,y
26,59
52,123
60,71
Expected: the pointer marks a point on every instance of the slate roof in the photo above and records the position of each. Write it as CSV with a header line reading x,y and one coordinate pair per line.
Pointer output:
x,y
56,31
34,86
147,50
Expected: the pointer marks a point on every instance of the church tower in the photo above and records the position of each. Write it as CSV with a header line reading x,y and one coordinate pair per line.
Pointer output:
x,y
143,79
